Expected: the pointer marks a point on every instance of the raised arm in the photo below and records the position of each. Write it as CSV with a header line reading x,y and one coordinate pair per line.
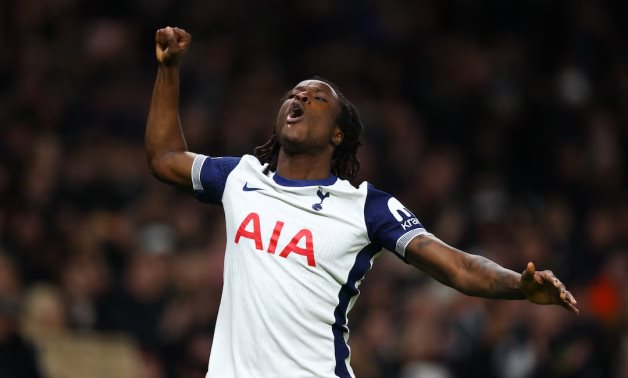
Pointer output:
x,y
166,149
478,276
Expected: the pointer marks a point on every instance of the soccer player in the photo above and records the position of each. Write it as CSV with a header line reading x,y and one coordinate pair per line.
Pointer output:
x,y
300,237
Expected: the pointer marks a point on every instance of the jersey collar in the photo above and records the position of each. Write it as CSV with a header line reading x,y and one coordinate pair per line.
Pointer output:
x,y
330,180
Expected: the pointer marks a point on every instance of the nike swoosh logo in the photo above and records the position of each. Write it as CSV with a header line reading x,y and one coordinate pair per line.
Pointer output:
x,y
247,189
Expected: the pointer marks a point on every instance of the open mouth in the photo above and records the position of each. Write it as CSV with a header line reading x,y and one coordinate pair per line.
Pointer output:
x,y
296,112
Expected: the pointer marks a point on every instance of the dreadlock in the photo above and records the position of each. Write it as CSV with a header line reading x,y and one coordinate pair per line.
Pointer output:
x,y
344,161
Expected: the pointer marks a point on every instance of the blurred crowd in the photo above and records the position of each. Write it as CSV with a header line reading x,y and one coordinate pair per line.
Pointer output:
x,y
502,124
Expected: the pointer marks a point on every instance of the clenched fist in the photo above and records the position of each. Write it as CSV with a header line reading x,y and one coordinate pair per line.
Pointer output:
x,y
170,45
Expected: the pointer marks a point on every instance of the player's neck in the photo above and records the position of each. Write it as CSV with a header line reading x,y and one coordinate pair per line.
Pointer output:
x,y
303,166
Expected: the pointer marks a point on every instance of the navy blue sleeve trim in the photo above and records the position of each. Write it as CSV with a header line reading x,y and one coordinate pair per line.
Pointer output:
x,y
209,177
388,222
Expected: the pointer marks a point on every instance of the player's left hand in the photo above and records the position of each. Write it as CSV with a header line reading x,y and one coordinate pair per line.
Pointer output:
x,y
545,288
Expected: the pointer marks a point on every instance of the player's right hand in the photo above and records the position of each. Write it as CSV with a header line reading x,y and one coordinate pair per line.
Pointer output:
x,y
170,45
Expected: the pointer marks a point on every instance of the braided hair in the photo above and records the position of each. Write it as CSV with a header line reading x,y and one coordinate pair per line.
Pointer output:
x,y
344,161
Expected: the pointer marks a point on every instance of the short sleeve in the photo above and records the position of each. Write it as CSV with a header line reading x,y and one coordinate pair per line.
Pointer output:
x,y
209,176
389,223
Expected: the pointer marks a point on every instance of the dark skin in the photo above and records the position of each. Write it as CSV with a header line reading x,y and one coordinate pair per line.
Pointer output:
x,y
308,142
308,137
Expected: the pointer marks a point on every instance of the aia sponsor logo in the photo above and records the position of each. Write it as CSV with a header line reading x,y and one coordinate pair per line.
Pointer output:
x,y
302,243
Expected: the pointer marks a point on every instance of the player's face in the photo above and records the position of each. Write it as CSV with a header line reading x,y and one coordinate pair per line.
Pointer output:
x,y
306,122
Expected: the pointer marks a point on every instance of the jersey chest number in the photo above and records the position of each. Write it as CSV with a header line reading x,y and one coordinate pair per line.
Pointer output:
x,y
250,229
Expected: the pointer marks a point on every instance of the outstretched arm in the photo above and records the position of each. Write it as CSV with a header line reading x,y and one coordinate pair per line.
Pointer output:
x,y
478,276
166,149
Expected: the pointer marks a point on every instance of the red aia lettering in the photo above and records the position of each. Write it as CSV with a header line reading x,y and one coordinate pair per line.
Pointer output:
x,y
308,251
275,238
293,245
255,234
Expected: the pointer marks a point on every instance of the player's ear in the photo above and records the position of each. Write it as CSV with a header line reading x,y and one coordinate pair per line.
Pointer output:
x,y
337,136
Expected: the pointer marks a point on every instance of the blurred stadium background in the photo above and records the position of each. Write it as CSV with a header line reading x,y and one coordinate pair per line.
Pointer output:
x,y
501,123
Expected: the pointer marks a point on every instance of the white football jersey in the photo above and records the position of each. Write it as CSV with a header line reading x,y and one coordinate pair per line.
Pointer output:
x,y
297,251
